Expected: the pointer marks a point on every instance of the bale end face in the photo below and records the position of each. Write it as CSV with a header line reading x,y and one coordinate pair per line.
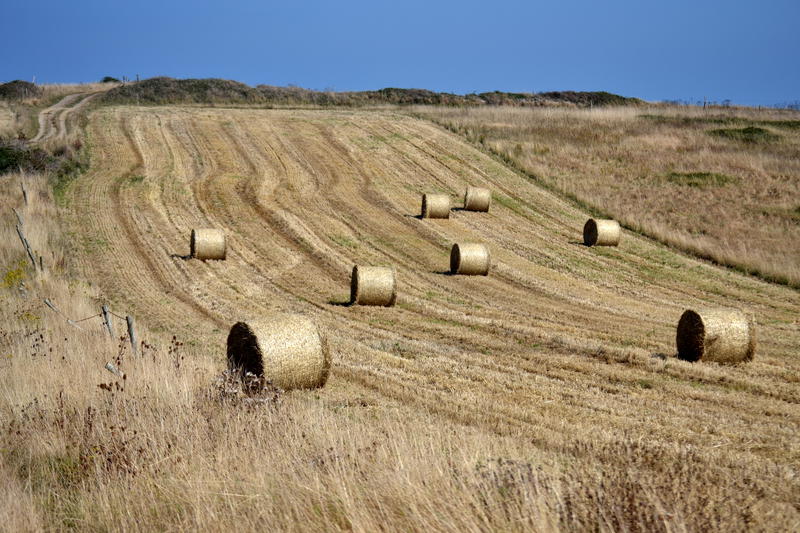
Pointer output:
x,y
601,232
207,244
288,350
471,259
371,285
477,199
720,335
435,206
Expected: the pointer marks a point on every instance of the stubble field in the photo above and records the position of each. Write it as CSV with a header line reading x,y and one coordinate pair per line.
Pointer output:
x,y
723,184
545,395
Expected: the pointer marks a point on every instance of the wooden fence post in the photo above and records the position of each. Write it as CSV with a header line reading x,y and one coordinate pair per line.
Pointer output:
x,y
27,246
131,333
52,306
107,321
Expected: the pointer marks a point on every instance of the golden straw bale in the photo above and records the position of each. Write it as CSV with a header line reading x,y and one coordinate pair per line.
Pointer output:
x,y
721,335
477,199
371,285
288,350
470,259
601,232
207,244
435,206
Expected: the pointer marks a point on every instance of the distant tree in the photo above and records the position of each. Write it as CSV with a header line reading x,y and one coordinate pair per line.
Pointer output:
x,y
109,79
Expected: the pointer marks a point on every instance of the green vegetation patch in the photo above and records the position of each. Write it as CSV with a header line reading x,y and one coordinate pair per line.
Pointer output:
x,y
701,180
750,134
721,121
14,155
18,89
343,240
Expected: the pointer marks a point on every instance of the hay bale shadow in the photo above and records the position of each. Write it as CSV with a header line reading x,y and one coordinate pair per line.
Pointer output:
x,y
578,243
444,272
341,303
662,356
182,257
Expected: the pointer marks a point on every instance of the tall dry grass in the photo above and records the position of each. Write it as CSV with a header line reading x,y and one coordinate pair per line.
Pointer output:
x,y
177,446
664,172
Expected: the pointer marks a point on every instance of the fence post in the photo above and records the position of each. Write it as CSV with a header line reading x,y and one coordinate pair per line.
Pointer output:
x,y
107,321
27,246
131,333
24,192
52,306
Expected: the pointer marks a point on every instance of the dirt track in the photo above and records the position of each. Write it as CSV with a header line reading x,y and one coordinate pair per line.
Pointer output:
x,y
560,343
53,120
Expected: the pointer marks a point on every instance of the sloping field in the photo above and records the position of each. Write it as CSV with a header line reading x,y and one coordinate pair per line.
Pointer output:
x,y
7,120
566,349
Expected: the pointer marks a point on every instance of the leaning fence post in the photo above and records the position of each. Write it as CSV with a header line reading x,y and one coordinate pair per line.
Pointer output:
x,y
107,321
27,247
131,333
52,306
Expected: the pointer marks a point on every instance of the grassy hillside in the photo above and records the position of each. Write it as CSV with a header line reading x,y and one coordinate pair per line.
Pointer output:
x,y
545,396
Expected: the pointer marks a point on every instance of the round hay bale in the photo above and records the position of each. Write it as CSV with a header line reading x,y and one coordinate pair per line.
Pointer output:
x,y
721,335
288,350
477,199
371,285
207,244
471,259
435,206
601,232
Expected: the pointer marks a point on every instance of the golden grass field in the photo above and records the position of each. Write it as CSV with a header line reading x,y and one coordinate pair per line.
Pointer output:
x,y
545,396
664,171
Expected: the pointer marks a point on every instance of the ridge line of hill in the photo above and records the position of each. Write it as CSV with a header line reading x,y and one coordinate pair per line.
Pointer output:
x,y
165,90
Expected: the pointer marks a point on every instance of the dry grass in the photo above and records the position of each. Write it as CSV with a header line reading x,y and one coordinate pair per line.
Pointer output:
x,y
8,120
544,397
666,171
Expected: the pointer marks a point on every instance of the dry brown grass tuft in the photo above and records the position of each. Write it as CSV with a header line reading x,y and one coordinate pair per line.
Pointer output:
x,y
663,171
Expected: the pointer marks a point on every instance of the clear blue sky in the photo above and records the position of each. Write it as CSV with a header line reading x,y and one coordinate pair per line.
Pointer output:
x,y
745,51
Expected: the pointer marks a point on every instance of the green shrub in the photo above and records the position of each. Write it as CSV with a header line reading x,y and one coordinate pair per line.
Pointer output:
x,y
750,134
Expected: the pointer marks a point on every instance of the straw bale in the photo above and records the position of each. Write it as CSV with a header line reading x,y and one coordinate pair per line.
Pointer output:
x,y
371,285
435,206
470,259
477,199
601,232
289,350
208,244
721,335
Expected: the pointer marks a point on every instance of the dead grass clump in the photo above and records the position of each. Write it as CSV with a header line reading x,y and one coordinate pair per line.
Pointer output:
x,y
477,199
471,259
287,350
435,206
207,244
720,335
601,232
371,285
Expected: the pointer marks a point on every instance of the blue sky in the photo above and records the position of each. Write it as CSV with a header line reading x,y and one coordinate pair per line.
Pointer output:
x,y
743,51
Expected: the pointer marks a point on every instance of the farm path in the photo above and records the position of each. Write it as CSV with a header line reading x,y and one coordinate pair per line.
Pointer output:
x,y
560,344
53,120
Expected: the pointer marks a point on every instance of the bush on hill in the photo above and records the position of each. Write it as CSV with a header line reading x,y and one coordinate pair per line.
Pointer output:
x,y
217,91
165,90
18,89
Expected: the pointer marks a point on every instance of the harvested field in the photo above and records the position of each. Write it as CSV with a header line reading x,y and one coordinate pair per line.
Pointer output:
x,y
563,358
723,184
